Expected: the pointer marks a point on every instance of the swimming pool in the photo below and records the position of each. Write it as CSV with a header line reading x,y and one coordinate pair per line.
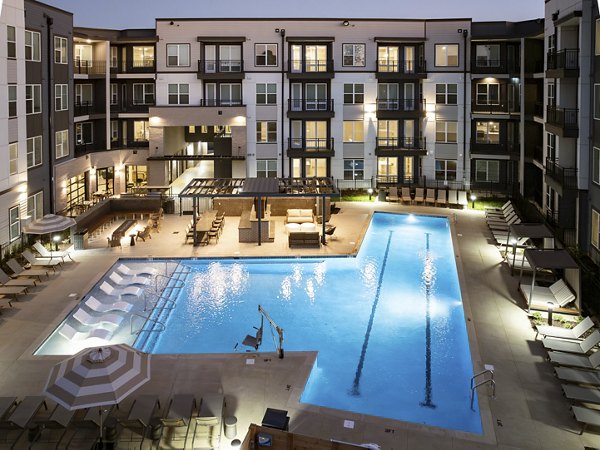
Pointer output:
x,y
388,324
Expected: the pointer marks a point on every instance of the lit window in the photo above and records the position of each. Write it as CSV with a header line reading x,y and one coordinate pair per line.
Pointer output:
x,y
266,132
595,237
354,131
143,56
488,133
13,158
487,56
141,131
446,55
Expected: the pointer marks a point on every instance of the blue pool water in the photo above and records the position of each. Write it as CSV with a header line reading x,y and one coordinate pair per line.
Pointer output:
x,y
388,324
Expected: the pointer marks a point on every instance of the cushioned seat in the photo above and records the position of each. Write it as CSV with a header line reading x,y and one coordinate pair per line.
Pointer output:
x,y
299,216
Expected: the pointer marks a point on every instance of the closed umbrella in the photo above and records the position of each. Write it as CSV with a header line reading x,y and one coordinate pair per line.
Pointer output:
x,y
50,223
98,377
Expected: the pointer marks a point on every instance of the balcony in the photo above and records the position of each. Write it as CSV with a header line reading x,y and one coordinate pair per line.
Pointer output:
x,y
83,148
87,109
310,109
310,69
210,102
222,69
306,147
135,66
402,146
138,143
538,109
89,67
398,109
485,65
563,63
141,108
562,121
565,177
392,70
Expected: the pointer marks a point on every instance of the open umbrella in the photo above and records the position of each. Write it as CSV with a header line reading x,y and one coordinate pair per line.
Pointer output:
x,y
98,377
50,223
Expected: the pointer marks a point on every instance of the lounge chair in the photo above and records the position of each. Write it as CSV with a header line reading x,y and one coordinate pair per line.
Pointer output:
x,y
452,197
504,226
95,305
406,197
393,195
13,291
209,423
578,376
586,416
19,419
441,198
5,280
31,259
126,270
419,195
571,359
580,347
179,415
46,254
140,415
500,220
430,198
559,294
492,209
566,333
582,394
86,319
71,334
129,290
20,271
501,213
462,199
56,424
119,280
7,404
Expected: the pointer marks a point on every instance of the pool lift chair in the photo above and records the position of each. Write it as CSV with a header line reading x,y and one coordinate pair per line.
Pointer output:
x,y
256,340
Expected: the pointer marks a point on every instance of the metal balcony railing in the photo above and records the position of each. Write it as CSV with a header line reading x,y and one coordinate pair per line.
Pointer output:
x,y
563,117
308,105
408,66
563,59
566,177
220,66
221,102
89,67
400,104
310,65
401,143
311,144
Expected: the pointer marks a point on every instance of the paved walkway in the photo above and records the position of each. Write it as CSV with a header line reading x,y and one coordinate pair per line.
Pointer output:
x,y
529,411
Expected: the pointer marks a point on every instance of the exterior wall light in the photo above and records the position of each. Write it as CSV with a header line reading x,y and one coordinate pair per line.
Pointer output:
x,y
345,23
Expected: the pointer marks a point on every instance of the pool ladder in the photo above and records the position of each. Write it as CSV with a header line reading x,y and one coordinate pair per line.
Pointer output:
x,y
147,318
475,384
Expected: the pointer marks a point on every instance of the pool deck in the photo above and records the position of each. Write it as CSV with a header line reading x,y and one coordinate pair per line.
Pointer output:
x,y
529,411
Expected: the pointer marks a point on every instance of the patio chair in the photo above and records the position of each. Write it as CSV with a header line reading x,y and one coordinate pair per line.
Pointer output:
x,y
570,359
566,333
145,233
581,347
393,195
87,319
430,198
20,271
578,376
500,214
46,254
97,306
586,416
53,429
13,291
441,197
491,209
462,199
126,270
7,404
419,195
176,422
112,291
31,259
504,226
5,280
501,220
71,334
329,230
406,197
18,420
140,415
452,197
114,241
209,423
559,294
129,281
581,394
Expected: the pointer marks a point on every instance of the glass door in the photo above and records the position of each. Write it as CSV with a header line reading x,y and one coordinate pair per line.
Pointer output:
x,y
296,55
316,58
409,97
409,133
409,59
316,97
296,96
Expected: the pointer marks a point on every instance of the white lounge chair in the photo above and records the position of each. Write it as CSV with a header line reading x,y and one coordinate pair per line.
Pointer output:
x,y
430,198
452,197
502,213
566,333
419,195
571,359
559,294
578,376
493,209
504,226
31,259
441,197
46,254
129,281
71,334
126,270
586,416
581,347
462,199
500,219
87,319
582,394
406,197
393,195
96,305
129,290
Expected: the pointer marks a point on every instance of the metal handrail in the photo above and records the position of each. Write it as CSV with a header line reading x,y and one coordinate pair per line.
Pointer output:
x,y
153,329
487,380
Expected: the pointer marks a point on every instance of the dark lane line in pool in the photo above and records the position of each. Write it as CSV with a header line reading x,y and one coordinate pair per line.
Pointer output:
x,y
355,391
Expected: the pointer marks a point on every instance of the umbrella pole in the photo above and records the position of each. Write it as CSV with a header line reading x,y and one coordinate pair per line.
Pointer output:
x,y
101,426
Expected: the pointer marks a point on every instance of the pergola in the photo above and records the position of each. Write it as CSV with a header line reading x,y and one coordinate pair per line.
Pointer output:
x,y
259,188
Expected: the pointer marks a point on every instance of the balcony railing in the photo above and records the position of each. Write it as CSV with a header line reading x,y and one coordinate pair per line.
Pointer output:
x,y
86,108
563,59
311,144
486,65
401,66
220,66
401,143
310,65
82,148
563,117
138,143
131,108
400,105
538,109
221,102
89,67
566,177
308,105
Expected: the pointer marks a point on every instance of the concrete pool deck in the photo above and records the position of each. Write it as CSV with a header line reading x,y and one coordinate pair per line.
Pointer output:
x,y
529,411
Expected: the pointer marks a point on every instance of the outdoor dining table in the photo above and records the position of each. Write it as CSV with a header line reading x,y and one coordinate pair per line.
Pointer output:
x,y
123,228
204,223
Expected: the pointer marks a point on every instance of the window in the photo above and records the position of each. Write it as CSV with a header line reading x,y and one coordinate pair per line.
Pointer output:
x,y
179,94
354,93
597,101
315,167
141,131
487,55
446,94
266,132
387,133
446,55
13,158
62,143
114,57
595,237
354,131
388,59
230,94
114,130
143,94
265,55
11,42
598,37
387,169
12,100
550,94
61,97
488,133
596,165
34,151
353,55
388,96
35,206
266,94
84,94
14,224
84,133
178,55
83,55
266,168
354,169
487,171
33,98
143,56
445,169
488,94
445,131
32,45
114,94
60,50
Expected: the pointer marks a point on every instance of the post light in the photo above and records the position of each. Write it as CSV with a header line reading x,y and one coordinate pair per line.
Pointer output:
x,y
473,198
550,310
370,191
56,240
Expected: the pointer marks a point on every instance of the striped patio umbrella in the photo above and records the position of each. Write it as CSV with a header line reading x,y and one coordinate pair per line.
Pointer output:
x,y
50,223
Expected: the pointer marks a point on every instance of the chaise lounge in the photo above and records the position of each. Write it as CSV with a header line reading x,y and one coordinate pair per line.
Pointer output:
x,y
304,239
